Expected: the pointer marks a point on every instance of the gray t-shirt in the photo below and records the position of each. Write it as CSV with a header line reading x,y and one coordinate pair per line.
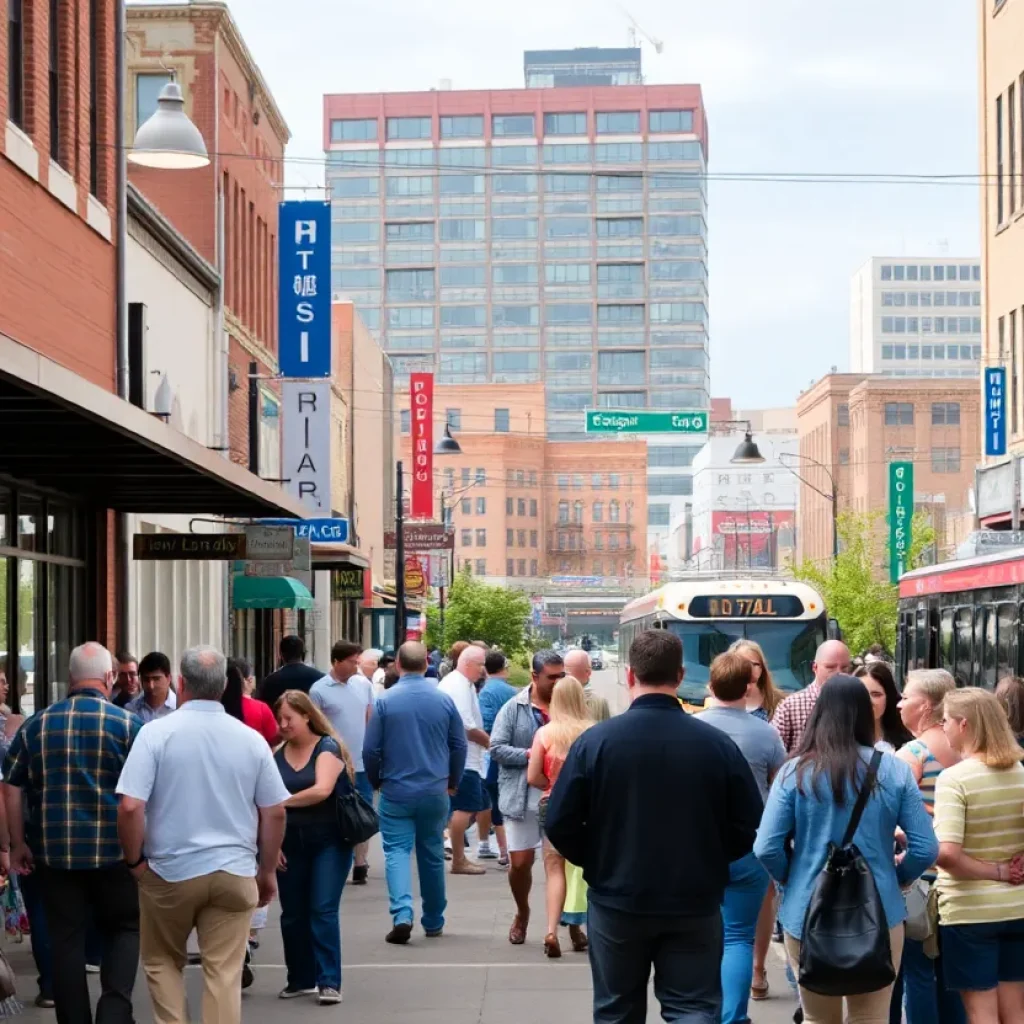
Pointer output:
x,y
758,741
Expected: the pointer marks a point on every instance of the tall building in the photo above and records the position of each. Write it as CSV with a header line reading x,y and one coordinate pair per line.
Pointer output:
x,y
523,235
851,426
584,66
916,318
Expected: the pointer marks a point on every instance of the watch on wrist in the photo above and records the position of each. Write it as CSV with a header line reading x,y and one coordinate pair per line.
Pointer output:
x,y
134,864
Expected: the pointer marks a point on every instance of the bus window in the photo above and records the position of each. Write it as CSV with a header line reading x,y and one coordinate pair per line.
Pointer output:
x,y
985,624
963,664
946,640
1007,659
922,637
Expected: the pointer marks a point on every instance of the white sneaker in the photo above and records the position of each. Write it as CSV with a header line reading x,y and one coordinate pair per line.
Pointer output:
x,y
295,993
485,852
329,996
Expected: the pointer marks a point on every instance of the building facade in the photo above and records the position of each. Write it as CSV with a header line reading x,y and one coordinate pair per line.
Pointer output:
x,y
526,235
916,318
852,426
585,66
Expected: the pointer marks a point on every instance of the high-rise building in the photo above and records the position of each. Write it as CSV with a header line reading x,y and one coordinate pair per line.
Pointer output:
x,y
544,234
916,317
586,66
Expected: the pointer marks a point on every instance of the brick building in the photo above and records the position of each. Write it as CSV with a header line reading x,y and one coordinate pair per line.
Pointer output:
x,y
855,425
73,455
245,134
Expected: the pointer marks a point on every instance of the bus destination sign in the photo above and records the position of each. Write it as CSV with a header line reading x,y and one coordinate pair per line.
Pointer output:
x,y
774,606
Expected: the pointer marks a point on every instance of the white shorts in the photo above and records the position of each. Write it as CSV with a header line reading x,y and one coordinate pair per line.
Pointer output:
x,y
525,834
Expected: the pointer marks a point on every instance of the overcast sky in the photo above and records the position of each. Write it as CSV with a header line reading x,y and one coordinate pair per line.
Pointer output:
x,y
872,87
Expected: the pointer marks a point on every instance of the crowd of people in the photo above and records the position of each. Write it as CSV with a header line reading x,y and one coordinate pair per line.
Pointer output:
x,y
145,815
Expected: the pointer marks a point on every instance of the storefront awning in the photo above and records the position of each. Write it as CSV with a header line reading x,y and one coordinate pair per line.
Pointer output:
x,y
269,592
337,556
59,430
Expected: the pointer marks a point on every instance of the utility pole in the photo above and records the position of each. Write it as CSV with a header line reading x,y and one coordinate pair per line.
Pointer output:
x,y
399,558
442,588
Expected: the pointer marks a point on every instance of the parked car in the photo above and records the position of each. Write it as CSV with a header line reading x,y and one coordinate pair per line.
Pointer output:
x,y
597,659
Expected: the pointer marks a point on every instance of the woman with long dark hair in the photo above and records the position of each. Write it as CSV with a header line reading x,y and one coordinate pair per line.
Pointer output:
x,y
240,705
890,732
812,800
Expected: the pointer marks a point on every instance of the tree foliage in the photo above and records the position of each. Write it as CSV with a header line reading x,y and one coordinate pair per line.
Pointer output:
x,y
856,586
477,611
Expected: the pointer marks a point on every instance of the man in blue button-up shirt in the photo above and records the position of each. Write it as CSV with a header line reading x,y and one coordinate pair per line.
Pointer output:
x,y
414,753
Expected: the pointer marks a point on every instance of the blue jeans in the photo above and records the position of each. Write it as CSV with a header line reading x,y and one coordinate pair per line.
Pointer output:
x,y
685,953
748,882
310,892
928,999
403,826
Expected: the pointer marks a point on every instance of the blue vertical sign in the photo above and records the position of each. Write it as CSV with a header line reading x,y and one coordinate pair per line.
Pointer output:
x,y
304,289
995,410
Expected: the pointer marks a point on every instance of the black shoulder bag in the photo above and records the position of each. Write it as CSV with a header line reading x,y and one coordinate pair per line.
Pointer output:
x,y
845,948
357,820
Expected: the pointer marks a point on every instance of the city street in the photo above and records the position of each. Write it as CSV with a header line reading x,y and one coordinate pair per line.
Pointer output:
x,y
470,976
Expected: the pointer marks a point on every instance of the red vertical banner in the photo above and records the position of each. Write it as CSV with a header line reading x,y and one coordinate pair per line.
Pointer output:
x,y
421,395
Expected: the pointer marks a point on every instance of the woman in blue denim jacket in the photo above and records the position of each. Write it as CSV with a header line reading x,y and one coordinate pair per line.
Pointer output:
x,y
811,801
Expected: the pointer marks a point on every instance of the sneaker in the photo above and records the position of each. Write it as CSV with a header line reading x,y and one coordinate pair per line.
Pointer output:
x,y
45,1002
296,993
92,968
400,934
485,852
359,873
329,996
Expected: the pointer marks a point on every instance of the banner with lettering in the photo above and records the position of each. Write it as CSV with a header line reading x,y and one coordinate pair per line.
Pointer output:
x,y
421,395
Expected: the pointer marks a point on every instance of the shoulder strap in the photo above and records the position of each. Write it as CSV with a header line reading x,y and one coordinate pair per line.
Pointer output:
x,y
862,797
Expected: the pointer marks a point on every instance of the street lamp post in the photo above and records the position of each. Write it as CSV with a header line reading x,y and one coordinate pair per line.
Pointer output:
x,y
831,495
399,557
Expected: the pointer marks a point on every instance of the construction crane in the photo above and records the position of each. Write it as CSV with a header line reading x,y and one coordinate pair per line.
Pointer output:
x,y
635,31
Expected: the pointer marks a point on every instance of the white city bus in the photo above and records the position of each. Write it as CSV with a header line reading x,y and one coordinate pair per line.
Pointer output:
x,y
785,617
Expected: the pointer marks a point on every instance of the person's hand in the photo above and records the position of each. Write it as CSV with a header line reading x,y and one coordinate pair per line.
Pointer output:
x,y
21,860
139,870
266,885
451,791
282,862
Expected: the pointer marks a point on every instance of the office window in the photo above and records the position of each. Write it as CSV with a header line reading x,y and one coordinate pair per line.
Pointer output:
x,y
843,415
945,414
56,40
676,224
568,313
467,506
355,188
515,227
403,417
620,227
16,62
597,512
466,538
1000,199
521,538
512,124
844,456
619,152
481,506
410,285
463,316
463,277
408,128
514,156
463,230
514,184
510,567
462,156
147,92
481,476
501,421
354,129
567,227
510,538
521,566
670,121
521,507
533,508
618,123
620,314
510,505
567,273
565,124
410,316
613,511
945,460
515,273
899,414
670,485
481,567
481,538
470,126
533,565
453,418
671,151
1011,138
416,232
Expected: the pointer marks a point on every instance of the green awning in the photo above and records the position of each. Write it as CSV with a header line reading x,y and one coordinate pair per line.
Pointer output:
x,y
269,592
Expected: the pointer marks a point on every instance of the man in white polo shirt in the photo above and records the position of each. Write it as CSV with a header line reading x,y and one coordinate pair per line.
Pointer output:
x,y
471,797
201,821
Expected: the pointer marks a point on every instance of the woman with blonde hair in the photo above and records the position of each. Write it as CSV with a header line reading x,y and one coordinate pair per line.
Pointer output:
x,y
1010,693
979,821
769,696
570,718
314,861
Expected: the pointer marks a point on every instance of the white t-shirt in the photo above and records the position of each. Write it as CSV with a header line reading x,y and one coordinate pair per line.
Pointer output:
x,y
463,692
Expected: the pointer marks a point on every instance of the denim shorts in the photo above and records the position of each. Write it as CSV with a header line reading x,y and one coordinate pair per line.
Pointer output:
x,y
471,796
977,957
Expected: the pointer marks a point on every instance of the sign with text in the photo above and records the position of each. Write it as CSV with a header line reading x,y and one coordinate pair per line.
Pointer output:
x,y
901,514
188,546
995,410
347,584
625,421
269,543
306,442
421,398
317,531
422,537
304,289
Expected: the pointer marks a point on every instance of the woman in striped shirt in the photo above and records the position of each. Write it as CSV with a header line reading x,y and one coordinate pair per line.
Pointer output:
x,y
927,1000
979,822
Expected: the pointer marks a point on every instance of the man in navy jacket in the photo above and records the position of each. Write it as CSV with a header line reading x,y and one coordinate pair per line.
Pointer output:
x,y
654,805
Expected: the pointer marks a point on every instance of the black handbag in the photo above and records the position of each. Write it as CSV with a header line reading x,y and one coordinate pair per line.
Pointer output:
x,y
845,949
357,820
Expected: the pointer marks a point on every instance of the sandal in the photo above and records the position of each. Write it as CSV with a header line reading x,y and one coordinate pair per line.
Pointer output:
x,y
517,933
759,992
579,938
552,950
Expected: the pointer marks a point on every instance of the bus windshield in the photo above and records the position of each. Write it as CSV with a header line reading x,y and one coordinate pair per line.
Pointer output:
x,y
788,647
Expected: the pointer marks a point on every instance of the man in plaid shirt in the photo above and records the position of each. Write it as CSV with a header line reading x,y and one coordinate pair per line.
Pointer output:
x,y
791,716
67,759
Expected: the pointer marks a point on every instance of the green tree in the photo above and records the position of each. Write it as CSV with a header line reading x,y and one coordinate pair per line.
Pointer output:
x,y
856,586
476,611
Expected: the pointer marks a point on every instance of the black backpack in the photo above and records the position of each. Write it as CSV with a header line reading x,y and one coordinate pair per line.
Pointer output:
x,y
845,948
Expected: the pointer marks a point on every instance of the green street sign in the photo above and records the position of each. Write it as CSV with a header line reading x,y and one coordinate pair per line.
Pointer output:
x,y
623,421
901,514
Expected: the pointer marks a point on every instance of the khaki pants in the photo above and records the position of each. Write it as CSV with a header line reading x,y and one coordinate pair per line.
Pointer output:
x,y
219,906
870,1008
